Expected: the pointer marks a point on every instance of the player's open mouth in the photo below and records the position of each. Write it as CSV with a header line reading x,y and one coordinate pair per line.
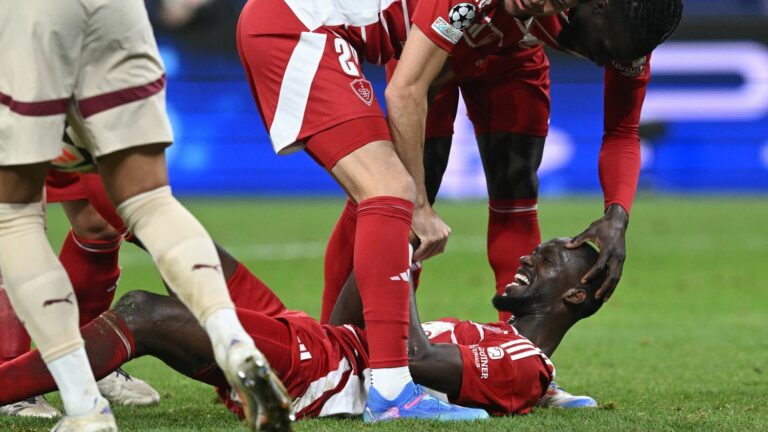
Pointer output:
x,y
521,279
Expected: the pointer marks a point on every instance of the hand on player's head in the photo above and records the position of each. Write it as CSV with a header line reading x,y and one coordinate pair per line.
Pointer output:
x,y
619,30
550,279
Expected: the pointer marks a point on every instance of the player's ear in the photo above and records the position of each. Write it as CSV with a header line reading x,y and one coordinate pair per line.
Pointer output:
x,y
575,296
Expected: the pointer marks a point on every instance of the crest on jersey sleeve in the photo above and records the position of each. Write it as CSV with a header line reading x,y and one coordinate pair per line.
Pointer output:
x,y
363,90
495,353
631,69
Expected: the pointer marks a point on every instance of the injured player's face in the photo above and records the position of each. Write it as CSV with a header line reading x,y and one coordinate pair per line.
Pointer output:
x,y
547,278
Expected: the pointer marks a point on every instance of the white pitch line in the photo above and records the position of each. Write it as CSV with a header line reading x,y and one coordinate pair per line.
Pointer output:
x,y
458,244
293,251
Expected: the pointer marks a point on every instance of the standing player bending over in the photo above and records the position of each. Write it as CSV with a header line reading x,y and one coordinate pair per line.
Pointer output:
x,y
98,62
301,61
499,367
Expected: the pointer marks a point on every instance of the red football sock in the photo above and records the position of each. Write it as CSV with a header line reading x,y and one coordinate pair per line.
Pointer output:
x,y
513,231
249,292
92,268
381,269
338,259
14,340
108,342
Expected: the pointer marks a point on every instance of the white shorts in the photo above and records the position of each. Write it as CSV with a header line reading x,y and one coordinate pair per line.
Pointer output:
x,y
94,61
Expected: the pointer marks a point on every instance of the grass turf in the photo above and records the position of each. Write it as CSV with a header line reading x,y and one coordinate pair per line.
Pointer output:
x,y
681,346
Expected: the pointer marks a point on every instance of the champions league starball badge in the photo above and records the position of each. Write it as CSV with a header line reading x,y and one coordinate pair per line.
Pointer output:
x,y
461,15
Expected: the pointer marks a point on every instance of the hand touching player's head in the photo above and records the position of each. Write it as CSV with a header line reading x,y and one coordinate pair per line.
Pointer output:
x,y
549,281
620,30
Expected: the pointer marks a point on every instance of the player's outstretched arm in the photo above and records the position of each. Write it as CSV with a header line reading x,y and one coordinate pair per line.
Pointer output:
x,y
437,366
406,97
349,306
619,169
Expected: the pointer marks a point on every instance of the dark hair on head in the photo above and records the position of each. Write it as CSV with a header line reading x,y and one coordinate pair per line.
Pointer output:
x,y
649,22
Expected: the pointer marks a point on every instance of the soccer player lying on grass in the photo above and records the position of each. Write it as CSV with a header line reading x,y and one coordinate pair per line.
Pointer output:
x,y
500,367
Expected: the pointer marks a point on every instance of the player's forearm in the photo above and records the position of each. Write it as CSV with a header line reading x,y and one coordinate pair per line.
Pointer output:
x,y
619,163
407,110
437,366
619,170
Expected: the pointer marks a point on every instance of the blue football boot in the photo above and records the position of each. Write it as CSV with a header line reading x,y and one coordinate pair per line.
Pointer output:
x,y
415,403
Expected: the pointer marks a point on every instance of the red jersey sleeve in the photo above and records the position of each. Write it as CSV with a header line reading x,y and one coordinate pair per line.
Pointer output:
x,y
502,376
619,161
444,21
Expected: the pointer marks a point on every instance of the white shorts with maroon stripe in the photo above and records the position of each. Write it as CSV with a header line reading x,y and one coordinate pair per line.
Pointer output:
x,y
95,61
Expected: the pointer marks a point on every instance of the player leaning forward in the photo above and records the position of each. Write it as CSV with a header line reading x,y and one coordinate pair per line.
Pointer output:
x,y
97,62
300,58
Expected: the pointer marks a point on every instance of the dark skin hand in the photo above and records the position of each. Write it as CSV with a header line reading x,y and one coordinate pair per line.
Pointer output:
x,y
608,234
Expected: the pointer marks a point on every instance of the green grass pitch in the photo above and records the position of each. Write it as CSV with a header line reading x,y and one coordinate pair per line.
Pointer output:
x,y
683,345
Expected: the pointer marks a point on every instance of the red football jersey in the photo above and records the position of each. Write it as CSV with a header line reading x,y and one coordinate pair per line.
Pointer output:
x,y
504,373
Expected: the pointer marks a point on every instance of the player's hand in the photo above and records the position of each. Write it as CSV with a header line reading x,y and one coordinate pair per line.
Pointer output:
x,y
432,232
608,234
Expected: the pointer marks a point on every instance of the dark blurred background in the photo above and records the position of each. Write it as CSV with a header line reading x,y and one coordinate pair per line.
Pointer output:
x,y
705,122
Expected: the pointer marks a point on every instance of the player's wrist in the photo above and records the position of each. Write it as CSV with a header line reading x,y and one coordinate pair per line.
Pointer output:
x,y
617,214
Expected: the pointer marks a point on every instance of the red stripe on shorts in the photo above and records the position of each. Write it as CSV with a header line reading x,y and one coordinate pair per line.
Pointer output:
x,y
96,104
35,109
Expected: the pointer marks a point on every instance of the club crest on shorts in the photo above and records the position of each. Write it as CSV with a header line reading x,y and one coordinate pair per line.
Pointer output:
x,y
363,90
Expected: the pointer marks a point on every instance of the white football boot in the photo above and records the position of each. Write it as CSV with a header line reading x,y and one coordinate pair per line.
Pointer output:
x,y
98,420
266,402
122,389
557,397
36,407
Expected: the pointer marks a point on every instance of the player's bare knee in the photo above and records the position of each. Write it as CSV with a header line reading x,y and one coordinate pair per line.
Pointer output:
x,y
87,223
135,308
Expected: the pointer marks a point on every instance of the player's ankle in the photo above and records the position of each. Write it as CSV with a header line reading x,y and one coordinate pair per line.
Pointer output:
x,y
390,382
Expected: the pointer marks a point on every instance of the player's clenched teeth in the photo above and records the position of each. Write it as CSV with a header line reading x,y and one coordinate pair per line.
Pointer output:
x,y
521,279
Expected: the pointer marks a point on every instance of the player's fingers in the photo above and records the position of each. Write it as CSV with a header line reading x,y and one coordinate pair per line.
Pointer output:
x,y
578,240
426,250
615,268
595,270
418,255
609,285
440,248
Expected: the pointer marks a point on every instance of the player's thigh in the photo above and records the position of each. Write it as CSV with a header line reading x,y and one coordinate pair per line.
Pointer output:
x,y
120,91
374,170
40,43
127,173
